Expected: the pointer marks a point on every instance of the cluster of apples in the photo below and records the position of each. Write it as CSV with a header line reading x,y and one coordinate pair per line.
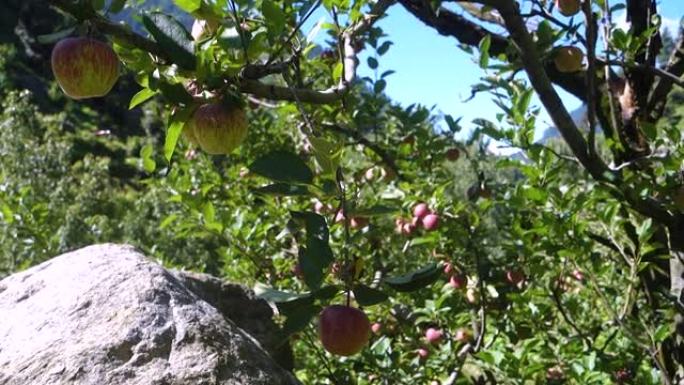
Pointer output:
x,y
434,336
422,216
88,68
568,59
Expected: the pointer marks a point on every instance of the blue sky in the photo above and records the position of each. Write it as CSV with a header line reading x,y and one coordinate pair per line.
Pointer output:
x,y
432,70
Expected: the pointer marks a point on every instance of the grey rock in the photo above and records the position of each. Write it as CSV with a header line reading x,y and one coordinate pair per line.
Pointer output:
x,y
107,315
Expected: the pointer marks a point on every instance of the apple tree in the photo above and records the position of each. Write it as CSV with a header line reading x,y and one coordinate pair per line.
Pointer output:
x,y
566,266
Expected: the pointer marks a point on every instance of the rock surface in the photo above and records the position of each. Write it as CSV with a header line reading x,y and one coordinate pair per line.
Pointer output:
x,y
107,315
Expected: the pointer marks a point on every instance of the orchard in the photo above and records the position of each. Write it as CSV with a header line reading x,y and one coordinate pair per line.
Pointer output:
x,y
396,248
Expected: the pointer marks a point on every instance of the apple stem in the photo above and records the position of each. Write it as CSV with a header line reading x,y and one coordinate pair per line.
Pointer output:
x,y
348,297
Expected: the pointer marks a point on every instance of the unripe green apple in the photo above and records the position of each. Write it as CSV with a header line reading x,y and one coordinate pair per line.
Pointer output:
x,y
84,67
217,128
568,7
343,330
568,59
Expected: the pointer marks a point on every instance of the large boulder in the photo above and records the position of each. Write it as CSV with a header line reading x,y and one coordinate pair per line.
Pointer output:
x,y
107,315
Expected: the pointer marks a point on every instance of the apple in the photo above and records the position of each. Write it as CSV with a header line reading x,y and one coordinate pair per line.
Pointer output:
x,y
555,374
343,330
578,275
457,281
408,228
370,174
423,353
340,217
421,210
568,59
568,7
297,271
472,296
358,222
217,128
84,67
463,335
399,225
433,335
319,207
430,222
453,154
376,328
514,277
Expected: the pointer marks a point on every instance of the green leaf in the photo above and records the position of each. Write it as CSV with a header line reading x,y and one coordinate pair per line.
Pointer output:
x,y
377,210
188,6
300,319
176,124
384,47
146,153
272,295
116,6
173,38
372,62
55,36
282,166
274,17
174,92
484,51
379,86
140,97
282,189
97,4
367,296
416,279
316,257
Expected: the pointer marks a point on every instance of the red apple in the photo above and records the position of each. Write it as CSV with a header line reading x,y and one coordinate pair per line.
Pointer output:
x,y
343,330
453,154
457,281
376,328
358,222
430,222
463,335
433,335
514,277
423,353
369,175
408,228
399,225
568,59
578,275
568,7
340,217
218,128
319,207
84,67
421,210
297,271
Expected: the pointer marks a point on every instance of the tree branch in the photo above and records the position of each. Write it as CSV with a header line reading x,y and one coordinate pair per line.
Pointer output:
x,y
675,67
386,158
448,23
248,79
